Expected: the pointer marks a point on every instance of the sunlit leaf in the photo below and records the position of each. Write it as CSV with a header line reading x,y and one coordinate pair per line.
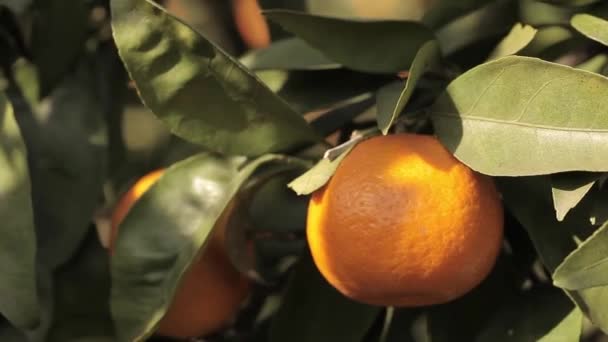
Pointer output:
x,y
18,293
199,91
358,44
568,190
592,27
392,100
515,41
515,116
168,226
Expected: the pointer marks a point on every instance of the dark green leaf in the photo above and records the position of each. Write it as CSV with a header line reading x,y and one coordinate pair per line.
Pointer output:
x,y
58,37
445,11
334,119
187,199
18,296
514,117
356,44
288,54
17,6
199,91
66,144
313,311
404,325
392,100
489,21
82,293
515,41
568,189
593,27
587,266
529,200
464,318
538,13
313,90
543,315
9,333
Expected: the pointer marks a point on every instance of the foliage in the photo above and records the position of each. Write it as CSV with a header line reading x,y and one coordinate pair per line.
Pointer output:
x,y
94,94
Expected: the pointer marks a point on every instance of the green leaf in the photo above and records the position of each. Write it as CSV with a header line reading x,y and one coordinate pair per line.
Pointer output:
x,y
596,64
330,121
313,311
357,44
571,2
288,54
550,42
568,189
82,293
587,266
18,294
318,175
66,142
9,333
592,27
539,13
58,36
17,6
520,36
515,116
392,99
544,315
492,20
529,200
199,91
445,11
464,318
189,198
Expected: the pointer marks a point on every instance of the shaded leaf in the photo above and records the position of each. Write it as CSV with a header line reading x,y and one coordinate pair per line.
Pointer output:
x,y
529,200
521,119
568,189
515,41
189,198
318,175
486,22
66,143
587,266
58,36
393,98
445,11
18,294
571,2
591,26
464,318
544,315
596,64
9,333
539,13
199,91
356,43
313,311
82,292
288,54
405,325
334,119
550,42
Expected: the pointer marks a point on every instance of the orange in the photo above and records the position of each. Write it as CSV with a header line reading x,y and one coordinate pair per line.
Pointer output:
x,y
211,291
404,223
250,23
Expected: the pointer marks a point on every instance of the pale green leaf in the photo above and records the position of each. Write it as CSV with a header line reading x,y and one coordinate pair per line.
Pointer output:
x,y
201,93
568,189
591,26
520,36
393,99
371,46
587,266
318,175
517,116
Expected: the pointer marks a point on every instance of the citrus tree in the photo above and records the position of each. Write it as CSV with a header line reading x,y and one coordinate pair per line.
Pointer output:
x,y
195,170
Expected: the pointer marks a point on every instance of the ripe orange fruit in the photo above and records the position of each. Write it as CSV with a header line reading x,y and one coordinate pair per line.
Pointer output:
x,y
403,223
250,23
211,291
